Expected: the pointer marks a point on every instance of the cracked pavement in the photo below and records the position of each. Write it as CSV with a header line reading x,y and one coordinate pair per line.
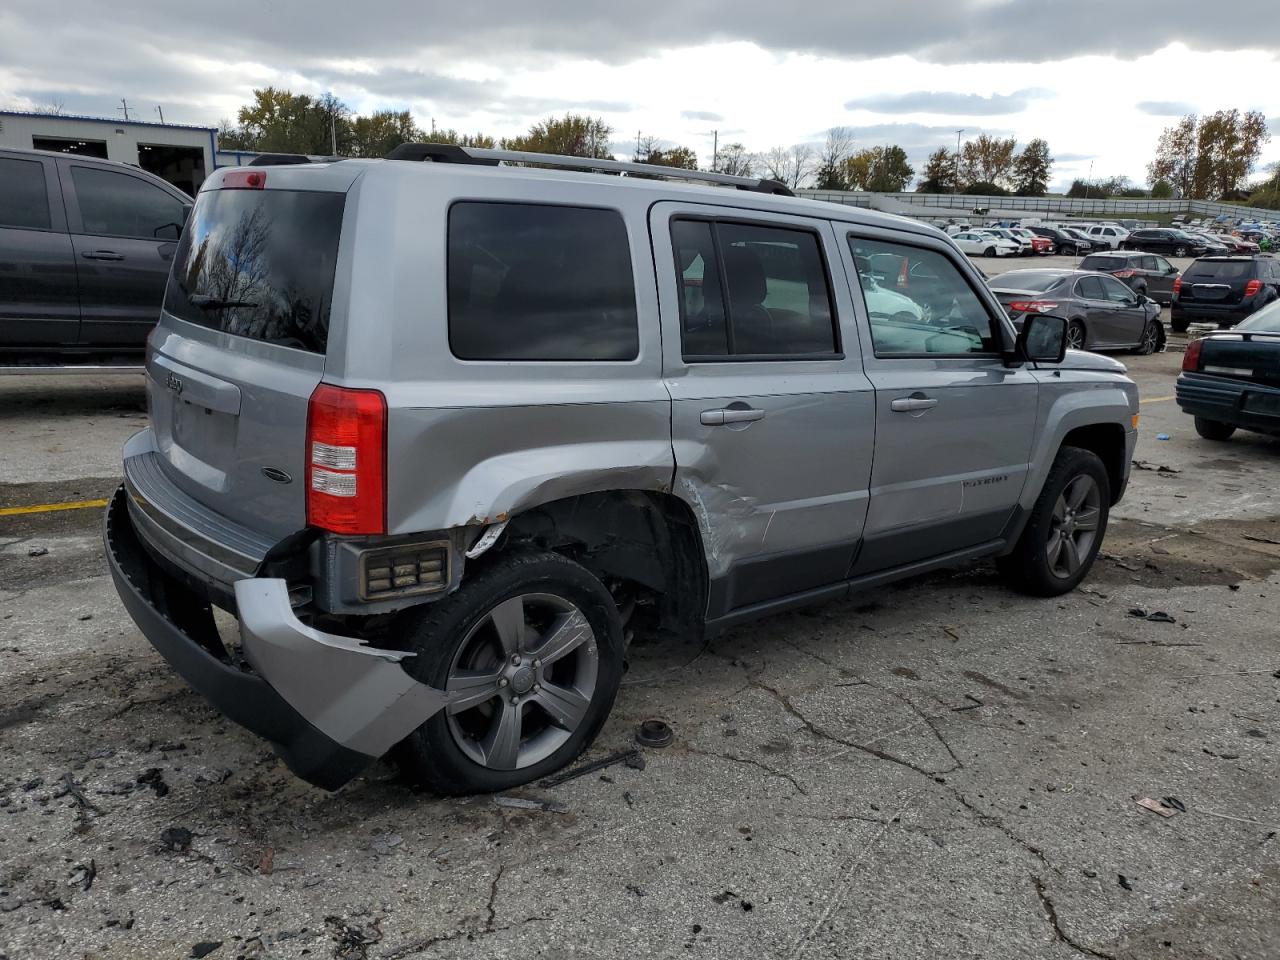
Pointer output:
x,y
938,768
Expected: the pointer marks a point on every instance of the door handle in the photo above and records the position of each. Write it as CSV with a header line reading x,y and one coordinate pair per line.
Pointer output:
x,y
911,404
718,418
102,255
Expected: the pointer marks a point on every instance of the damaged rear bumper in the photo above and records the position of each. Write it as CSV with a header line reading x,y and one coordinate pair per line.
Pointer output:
x,y
330,705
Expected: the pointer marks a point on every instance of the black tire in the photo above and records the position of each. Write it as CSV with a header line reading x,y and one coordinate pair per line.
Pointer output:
x,y
431,756
1179,324
1058,249
1214,429
1076,333
1150,341
1027,569
1179,251
989,252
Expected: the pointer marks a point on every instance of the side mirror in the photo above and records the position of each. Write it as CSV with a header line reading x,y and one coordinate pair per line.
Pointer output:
x,y
1043,338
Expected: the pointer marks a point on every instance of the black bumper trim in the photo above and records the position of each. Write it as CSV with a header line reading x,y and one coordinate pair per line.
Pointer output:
x,y
178,622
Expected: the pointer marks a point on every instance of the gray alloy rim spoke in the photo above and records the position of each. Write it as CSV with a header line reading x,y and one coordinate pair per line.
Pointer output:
x,y
508,622
565,706
565,636
1054,550
1078,491
1087,520
470,688
501,746
1071,553
1060,508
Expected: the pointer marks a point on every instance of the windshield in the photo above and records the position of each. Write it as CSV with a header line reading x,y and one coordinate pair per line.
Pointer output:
x,y
259,264
1221,269
1266,320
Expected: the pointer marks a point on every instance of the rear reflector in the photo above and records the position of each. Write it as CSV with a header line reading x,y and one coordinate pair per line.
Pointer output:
x,y
244,180
347,460
1191,359
1177,285
1252,287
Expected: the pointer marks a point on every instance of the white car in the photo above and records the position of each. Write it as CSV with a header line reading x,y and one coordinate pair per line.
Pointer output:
x,y
1004,233
985,244
1109,234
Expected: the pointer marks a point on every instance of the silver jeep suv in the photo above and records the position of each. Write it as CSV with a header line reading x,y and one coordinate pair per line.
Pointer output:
x,y
444,430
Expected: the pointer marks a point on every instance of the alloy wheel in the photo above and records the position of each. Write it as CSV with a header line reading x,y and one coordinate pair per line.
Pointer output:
x,y
1074,526
1075,336
521,681
1150,337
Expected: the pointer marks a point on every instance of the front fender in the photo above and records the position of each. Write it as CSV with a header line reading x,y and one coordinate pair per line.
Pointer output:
x,y
1070,399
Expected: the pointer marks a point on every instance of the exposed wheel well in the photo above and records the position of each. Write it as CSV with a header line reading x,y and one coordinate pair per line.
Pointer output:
x,y
644,545
1107,441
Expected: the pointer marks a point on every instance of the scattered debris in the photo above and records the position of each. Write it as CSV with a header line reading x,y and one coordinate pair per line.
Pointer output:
x,y
1163,436
1119,562
1123,881
1247,536
352,942
176,839
951,632
630,757
37,551
85,616
267,862
204,948
70,788
1156,807
1156,616
153,777
654,733
520,803
974,705
1175,803
384,843
1157,467
83,875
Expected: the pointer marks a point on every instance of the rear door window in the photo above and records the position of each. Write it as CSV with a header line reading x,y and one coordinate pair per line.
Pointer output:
x,y
1090,288
1116,291
118,205
752,290
534,281
259,264
24,197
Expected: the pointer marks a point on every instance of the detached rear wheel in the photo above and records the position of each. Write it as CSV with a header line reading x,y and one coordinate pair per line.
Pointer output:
x,y
1065,530
530,652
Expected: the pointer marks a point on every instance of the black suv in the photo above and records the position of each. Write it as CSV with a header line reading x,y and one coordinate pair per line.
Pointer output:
x,y
1063,242
1224,290
1145,273
85,250
1173,243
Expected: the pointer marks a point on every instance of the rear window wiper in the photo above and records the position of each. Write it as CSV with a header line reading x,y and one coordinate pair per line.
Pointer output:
x,y
216,303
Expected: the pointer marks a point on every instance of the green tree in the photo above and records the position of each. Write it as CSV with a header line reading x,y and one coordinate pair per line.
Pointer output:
x,y
681,157
984,188
381,132
987,159
572,135
481,141
1267,194
879,169
232,137
939,175
1162,190
1032,169
279,121
1209,156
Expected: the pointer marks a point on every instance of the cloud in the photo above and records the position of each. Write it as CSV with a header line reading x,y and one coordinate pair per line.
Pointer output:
x,y
958,104
706,115
1165,108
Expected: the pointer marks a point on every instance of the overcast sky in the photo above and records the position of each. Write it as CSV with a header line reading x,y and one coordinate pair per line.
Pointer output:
x,y
1096,78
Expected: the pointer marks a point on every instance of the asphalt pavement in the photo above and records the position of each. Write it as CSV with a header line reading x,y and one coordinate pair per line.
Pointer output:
x,y
942,768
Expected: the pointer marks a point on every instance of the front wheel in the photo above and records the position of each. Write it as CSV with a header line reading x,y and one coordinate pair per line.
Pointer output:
x,y
1076,335
1065,530
530,652
989,252
1150,341
1214,429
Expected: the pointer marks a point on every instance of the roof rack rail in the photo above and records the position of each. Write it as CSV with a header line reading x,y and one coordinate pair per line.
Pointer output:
x,y
450,153
285,159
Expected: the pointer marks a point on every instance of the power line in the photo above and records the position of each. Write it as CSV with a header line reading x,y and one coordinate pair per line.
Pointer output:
x,y
124,106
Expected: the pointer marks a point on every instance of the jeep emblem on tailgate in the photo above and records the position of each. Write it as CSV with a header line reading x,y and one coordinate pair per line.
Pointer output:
x,y
174,383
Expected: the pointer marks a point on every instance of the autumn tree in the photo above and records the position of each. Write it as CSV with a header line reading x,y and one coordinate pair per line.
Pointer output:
x,y
879,169
832,173
939,174
734,160
572,135
1209,156
382,131
481,141
681,157
279,121
987,159
1032,169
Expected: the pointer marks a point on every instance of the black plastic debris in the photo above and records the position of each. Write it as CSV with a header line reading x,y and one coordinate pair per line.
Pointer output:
x,y
153,777
654,733
204,948
37,551
176,839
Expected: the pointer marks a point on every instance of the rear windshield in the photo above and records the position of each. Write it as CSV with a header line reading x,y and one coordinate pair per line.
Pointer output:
x,y
1266,320
1017,280
259,264
1221,269
1103,263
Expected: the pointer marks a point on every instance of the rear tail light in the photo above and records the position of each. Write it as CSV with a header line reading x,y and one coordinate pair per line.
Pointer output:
x,y
904,277
1191,359
347,460
1252,287
244,180
1124,274
1033,306
1177,286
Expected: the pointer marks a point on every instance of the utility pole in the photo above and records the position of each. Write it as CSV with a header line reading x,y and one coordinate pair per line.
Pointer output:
x,y
956,185
333,133
160,111
124,105
715,150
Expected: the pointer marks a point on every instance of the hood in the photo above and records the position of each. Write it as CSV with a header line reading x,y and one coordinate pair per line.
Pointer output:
x,y
1084,360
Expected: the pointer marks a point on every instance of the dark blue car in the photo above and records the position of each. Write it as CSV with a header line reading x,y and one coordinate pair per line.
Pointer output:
x,y
1231,379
